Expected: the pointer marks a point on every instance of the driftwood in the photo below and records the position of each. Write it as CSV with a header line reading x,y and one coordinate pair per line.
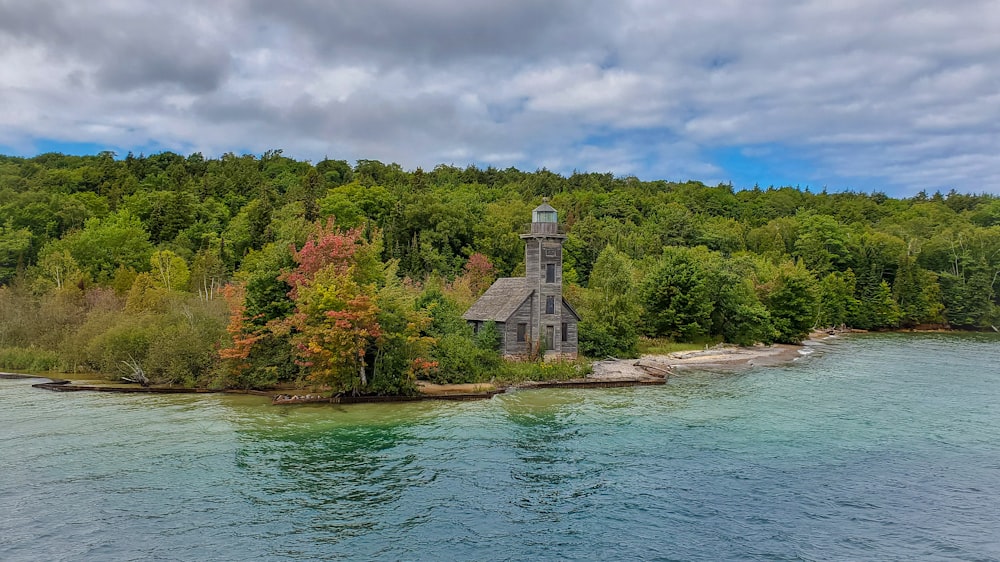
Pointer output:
x,y
138,375
663,373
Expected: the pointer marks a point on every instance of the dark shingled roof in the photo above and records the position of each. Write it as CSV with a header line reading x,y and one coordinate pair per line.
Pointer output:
x,y
500,301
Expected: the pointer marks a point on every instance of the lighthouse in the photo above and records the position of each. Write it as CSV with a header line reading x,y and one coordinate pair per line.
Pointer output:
x,y
530,312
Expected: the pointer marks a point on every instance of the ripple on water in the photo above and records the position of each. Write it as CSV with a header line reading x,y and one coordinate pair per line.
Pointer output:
x,y
874,447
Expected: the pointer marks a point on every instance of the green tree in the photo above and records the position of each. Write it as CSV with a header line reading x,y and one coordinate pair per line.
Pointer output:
x,y
676,296
969,301
105,244
58,265
836,302
169,270
208,272
917,293
792,302
611,317
738,315
821,244
15,246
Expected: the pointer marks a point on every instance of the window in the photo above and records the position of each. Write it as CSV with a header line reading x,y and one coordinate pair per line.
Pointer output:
x,y
550,332
550,305
522,332
562,331
550,273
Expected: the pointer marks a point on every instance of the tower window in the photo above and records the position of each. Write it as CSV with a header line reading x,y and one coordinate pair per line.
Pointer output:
x,y
550,273
550,305
543,216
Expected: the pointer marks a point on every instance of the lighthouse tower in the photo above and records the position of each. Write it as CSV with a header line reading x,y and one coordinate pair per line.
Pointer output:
x,y
543,246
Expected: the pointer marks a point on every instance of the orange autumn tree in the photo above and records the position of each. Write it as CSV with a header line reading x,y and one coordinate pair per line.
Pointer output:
x,y
335,326
236,299
242,336
480,273
326,248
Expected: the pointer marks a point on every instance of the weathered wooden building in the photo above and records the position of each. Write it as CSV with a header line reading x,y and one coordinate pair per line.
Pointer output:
x,y
530,312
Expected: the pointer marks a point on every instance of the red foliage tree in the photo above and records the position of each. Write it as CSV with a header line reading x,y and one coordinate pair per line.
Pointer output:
x,y
327,247
479,273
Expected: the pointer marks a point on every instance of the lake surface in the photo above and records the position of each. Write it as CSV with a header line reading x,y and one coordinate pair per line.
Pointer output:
x,y
872,447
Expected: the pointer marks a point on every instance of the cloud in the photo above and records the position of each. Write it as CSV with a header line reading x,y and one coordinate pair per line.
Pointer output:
x,y
392,33
892,95
122,46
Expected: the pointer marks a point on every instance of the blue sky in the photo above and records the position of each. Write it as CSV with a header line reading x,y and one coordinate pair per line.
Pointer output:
x,y
880,95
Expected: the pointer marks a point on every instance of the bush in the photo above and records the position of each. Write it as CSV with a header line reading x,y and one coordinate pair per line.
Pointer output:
x,y
666,346
29,359
124,337
597,341
460,360
176,347
488,337
182,349
515,371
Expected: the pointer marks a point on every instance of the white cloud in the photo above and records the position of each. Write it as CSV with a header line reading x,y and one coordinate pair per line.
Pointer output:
x,y
900,95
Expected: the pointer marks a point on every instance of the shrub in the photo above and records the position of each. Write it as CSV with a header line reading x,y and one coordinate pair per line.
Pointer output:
x,y
460,360
29,359
517,371
176,347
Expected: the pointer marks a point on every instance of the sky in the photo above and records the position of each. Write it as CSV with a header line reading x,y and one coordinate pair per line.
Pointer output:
x,y
864,95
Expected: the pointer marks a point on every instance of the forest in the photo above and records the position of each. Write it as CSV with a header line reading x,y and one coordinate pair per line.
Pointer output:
x,y
248,271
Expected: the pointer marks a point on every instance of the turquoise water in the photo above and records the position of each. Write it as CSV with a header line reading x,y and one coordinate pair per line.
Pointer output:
x,y
873,447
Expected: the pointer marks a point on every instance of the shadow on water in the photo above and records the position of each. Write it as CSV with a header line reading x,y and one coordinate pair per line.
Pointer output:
x,y
326,474
559,455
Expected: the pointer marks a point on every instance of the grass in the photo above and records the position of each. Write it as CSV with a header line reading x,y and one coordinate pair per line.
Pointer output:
x,y
664,346
512,372
29,359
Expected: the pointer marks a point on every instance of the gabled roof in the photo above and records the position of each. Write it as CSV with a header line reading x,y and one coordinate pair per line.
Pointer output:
x,y
500,301
566,306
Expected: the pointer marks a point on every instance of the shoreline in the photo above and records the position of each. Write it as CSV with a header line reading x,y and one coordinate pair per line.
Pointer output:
x,y
722,356
610,373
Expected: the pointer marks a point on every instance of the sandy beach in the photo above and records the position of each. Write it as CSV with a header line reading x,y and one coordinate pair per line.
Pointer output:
x,y
718,357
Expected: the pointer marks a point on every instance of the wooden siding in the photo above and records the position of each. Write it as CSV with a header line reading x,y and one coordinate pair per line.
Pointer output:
x,y
571,346
522,315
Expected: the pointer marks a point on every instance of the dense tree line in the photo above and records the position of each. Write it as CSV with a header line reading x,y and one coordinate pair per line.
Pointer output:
x,y
246,270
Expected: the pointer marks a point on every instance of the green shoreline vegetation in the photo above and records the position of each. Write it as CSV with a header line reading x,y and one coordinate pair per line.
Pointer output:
x,y
252,272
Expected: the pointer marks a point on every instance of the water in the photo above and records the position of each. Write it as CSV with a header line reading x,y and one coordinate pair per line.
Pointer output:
x,y
874,447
